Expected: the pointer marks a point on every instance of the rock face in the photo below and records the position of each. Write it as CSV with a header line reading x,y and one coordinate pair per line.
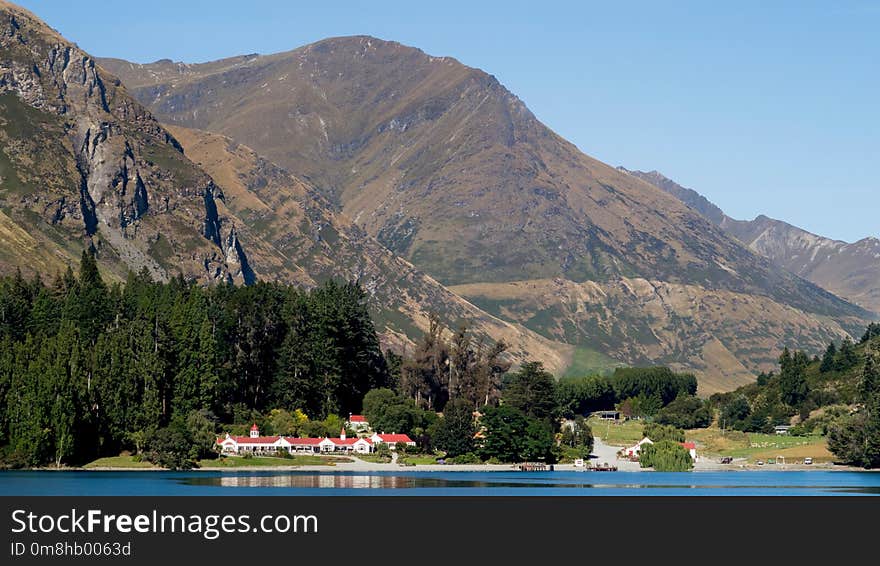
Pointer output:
x,y
445,167
849,270
85,165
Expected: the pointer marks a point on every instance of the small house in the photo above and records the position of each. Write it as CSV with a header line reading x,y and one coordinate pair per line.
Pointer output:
x,y
633,451
392,439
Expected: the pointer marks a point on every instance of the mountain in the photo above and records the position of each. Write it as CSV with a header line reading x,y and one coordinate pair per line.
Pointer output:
x,y
445,167
303,231
849,270
84,165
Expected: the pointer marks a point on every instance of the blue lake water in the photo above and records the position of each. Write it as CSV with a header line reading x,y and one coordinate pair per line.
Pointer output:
x,y
559,483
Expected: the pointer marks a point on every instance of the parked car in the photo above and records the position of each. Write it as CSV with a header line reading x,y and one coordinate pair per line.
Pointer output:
x,y
808,460
726,460
760,462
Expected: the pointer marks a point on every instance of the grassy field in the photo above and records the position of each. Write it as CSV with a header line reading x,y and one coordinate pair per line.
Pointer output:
x,y
299,460
227,462
589,362
711,442
621,433
754,446
118,462
374,458
418,460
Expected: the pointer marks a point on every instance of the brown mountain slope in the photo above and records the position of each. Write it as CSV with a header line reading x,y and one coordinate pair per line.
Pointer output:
x,y
444,166
723,336
84,165
851,271
295,222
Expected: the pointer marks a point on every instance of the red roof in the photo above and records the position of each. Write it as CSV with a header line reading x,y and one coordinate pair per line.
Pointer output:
x,y
255,427
305,441
251,439
689,445
357,419
294,441
395,438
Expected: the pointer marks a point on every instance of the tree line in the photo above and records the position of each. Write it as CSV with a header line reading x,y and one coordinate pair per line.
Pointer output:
x,y
87,369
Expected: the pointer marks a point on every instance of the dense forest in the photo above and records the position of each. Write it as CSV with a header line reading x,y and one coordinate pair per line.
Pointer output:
x,y
87,369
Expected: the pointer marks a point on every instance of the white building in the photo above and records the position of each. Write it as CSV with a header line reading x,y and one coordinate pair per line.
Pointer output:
x,y
633,451
392,439
343,444
691,448
268,445
358,423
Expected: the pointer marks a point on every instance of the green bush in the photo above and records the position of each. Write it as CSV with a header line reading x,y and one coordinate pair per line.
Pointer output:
x,y
665,456
468,458
657,432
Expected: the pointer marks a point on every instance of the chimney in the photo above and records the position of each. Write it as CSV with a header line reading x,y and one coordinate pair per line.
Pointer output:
x,y
342,434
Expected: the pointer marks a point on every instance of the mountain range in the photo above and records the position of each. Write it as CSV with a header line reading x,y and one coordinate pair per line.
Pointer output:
x,y
849,270
423,178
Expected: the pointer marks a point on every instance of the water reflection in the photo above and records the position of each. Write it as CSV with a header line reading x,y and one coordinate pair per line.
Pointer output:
x,y
394,482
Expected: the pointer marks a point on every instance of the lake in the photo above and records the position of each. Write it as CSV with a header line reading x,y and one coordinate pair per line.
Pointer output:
x,y
559,483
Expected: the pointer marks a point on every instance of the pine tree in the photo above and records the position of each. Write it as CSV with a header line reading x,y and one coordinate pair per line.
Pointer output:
x,y
828,359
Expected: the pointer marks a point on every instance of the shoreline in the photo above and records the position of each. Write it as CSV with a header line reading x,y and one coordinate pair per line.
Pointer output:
x,y
367,467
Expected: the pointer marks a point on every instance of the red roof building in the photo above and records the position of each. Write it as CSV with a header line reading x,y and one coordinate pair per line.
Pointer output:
x,y
256,444
691,448
392,439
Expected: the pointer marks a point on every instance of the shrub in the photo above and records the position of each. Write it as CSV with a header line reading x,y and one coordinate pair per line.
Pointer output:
x,y
665,456
468,458
658,432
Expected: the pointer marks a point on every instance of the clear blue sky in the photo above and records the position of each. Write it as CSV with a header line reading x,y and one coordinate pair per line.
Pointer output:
x,y
763,106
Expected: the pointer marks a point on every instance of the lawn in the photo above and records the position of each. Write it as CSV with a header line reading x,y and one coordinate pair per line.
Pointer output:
x,y
418,460
118,462
374,458
755,446
619,433
588,362
299,460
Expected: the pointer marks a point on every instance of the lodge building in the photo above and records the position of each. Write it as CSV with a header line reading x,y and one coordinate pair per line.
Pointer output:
x,y
267,445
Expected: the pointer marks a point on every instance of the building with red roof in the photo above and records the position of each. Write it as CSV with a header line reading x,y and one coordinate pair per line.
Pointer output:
x,y
358,423
392,439
691,448
266,445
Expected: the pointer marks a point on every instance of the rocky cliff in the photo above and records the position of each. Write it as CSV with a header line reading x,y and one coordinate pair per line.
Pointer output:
x,y
85,165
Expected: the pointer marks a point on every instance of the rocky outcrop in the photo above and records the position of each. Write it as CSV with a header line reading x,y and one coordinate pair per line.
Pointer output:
x,y
239,268
133,182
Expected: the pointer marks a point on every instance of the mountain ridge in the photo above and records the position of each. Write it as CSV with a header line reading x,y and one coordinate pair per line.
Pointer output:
x,y
598,219
849,270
